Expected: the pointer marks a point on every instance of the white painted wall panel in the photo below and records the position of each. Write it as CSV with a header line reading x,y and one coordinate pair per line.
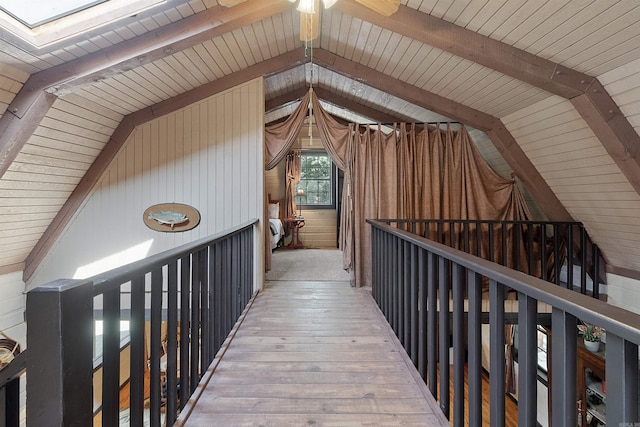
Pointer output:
x,y
582,175
208,155
624,292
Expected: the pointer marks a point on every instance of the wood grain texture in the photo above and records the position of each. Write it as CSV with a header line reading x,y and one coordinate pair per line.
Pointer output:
x,y
314,353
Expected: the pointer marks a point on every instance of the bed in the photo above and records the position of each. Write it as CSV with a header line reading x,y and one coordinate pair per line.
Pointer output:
x,y
276,224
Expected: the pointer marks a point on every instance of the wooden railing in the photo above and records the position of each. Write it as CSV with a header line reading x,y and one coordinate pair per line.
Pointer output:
x,y
10,377
539,248
413,277
198,291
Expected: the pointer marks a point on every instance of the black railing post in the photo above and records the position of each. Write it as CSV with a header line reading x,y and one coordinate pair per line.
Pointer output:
x,y
563,366
596,271
110,356
497,352
622,382
138,362
60,362
474,339
527,360
458,343
444,284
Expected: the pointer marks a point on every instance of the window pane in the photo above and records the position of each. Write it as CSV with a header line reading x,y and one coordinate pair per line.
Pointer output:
x,y
316,179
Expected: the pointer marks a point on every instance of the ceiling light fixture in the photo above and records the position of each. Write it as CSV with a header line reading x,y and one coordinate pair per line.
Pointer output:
x,y
309,17
308,6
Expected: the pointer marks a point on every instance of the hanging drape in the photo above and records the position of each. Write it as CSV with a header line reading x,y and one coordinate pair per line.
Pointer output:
x,y
337,139
293,178
420,173
279,138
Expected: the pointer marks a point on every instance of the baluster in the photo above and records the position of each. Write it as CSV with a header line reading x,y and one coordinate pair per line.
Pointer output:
x,y
458,344
156,348
432,286
527,360
138,362
475,348
172,343
185,335
497,378
563,366
622,381
111,356
413,280
444,283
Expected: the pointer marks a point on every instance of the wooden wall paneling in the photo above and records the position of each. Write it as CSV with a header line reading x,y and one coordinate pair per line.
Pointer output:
x,y
320,229
141,171
11,81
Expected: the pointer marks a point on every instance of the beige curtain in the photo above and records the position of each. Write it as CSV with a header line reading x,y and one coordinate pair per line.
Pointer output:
x,y
279,138
338,141
293,178
420,173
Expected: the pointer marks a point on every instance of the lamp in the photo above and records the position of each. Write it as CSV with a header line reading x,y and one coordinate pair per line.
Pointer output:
x,y
308,6
309,17
300,195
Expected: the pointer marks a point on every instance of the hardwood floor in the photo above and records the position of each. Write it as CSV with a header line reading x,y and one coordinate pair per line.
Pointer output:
x,y
511,408
314,353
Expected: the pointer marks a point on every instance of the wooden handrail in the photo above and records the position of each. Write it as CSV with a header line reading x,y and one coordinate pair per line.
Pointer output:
x,y
198,289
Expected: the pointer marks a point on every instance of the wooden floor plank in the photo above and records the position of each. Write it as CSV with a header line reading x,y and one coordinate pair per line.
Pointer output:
x,y
313,353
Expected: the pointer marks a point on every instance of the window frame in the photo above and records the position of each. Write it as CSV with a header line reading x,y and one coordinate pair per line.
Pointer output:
x,y
333,182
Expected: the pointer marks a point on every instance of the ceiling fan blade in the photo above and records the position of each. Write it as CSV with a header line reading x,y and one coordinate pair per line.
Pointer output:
x,y
383,7
309,24
230,3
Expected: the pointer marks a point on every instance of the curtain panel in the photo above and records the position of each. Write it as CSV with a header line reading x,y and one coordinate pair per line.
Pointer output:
x,y
411,172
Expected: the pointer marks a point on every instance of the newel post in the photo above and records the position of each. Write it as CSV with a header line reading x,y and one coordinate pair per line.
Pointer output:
x,y
60,364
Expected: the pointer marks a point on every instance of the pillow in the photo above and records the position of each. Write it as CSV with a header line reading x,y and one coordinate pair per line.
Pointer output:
x,y
274,210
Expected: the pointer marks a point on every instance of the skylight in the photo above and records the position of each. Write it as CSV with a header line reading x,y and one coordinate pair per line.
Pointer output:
x,y
43,23
37,12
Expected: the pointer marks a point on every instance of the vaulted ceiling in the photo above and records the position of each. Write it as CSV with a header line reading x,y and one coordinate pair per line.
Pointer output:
x,y
549,91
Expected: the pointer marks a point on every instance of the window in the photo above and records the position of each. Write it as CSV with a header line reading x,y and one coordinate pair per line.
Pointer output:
x,y
34,13
43,23
317,180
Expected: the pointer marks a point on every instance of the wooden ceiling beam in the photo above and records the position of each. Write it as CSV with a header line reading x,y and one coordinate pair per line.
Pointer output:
x,y
282,100
329,96
500,136
475,47
128,124
590,99
340,101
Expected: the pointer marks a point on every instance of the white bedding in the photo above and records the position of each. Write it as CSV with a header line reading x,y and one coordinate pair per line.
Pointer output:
x,y
277,231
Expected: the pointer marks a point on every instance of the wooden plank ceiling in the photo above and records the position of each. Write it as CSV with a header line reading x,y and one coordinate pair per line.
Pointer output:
x,y
478,62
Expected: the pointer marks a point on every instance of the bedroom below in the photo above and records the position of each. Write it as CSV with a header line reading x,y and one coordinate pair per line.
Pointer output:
x,y
321,223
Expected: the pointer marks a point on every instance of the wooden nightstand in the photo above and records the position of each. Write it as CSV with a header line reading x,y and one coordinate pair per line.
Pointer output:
x,y
295,225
